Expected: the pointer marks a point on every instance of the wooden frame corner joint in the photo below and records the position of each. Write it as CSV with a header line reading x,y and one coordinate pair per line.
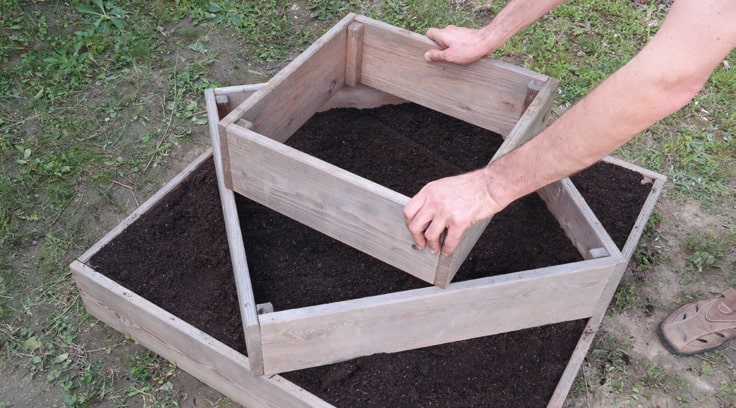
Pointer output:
x,y
354,54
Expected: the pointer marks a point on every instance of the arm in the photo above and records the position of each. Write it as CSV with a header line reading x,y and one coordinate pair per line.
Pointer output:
x,y
662,78
464,45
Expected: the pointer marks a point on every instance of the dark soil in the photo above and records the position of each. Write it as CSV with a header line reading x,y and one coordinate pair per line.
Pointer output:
x,y
176,256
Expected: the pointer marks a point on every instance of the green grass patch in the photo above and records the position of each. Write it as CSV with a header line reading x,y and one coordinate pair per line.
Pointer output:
x,y
705,250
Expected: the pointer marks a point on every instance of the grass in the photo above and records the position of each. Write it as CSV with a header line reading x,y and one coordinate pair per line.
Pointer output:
x,y
99,97
705,250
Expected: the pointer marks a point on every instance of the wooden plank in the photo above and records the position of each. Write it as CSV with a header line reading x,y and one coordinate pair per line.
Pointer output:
x,y
296,92
586,339
243,287
354,53
236,94
359,96
223,105
192,350
318,335
533,120
577,219
448,266
487,93
528,126
346,207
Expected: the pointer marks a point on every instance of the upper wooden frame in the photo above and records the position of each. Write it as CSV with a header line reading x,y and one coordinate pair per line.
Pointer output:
x,y
362,53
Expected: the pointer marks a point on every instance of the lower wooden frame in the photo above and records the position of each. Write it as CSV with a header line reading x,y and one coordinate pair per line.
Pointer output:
x,y
295,339
362,52
229,372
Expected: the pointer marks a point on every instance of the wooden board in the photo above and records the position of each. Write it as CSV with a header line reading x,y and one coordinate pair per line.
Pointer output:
x,y
192,350
354,54
586,339
358,96
488,93
577,220
648,176
295,93
244,289
318,335
346,207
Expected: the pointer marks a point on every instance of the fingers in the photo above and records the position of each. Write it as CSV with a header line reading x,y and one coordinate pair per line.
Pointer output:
x,y
415,225
433,33
425,229
433,235
435,55
451,241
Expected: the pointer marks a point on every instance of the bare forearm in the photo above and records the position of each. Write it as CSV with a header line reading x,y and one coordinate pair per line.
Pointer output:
x,y
600,123
661,79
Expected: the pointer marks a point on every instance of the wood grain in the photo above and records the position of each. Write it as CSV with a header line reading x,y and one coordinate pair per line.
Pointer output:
x,y
296,339
190,349
296,92
346,207
488,93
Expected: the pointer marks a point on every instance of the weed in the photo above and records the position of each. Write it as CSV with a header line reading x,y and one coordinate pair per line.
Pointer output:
x,y
727,391
647,253
705,251
625,298
683,298
706,368
152,376
613,361
655,374
104,16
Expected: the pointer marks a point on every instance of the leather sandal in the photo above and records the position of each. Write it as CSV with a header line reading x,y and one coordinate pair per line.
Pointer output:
x,y
702,326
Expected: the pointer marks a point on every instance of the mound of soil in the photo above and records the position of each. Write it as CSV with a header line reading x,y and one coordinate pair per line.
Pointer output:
x,y
176,256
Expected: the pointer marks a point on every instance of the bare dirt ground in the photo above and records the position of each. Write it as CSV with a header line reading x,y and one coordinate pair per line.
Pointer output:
x,y
669,380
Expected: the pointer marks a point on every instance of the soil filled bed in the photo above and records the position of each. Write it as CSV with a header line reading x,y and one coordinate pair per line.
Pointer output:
x,y
176,256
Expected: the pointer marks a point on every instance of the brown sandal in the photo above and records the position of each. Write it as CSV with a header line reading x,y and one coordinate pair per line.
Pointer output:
x,y
700,326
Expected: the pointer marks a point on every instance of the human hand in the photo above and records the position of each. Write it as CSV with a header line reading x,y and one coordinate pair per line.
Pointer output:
x,y
453,204
458,45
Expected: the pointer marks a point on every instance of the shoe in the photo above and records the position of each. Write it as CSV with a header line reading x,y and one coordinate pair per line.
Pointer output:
x,y
702,326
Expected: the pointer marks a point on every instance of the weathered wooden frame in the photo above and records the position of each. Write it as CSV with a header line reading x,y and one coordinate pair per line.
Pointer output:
x,y
227,370
360,52
391,322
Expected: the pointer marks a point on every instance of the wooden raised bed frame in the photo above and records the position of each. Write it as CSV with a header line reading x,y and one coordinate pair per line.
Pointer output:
x,y
391,322
362,52
227,370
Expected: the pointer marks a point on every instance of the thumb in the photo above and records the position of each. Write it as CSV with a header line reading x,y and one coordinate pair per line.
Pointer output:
x,y
434,55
